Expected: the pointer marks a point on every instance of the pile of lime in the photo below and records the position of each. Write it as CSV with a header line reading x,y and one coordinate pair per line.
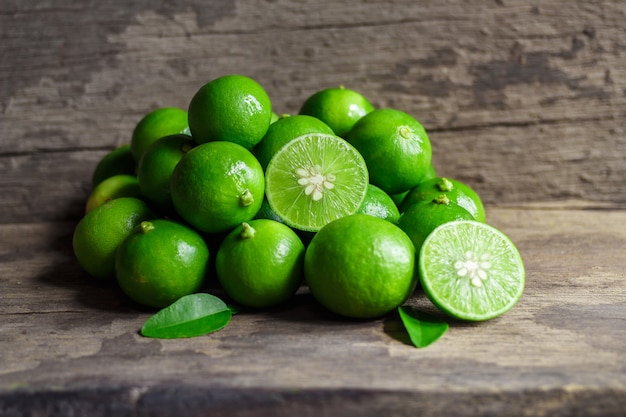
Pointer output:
x,y
341,198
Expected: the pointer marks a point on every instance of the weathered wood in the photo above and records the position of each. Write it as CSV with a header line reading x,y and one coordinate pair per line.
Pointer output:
x,y
510,93
524,102
65,339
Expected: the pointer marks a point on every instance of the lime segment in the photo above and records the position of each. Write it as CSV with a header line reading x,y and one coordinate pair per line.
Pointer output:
x,y
471,270
315,179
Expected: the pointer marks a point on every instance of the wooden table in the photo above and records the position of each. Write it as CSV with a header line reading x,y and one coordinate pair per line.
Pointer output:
x,y
524,102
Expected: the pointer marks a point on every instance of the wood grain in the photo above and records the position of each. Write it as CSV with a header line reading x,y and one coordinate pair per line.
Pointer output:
x,y
523,101
66,339
526,98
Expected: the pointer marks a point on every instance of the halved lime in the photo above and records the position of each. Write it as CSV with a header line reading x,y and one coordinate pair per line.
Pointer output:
x,y
471,270
315,179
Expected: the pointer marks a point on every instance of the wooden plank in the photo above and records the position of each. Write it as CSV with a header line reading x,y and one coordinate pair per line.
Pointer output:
x,y
453,65
66,341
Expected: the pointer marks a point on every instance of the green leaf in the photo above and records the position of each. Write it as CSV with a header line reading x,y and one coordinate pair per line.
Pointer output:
x,y
423,328
190,316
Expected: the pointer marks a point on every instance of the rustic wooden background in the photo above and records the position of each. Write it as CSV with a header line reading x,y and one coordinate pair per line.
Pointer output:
x,y
523,100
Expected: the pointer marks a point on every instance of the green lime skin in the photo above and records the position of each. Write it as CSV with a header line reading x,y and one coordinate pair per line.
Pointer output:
x,y
456,191
395,147
420,219
471,270
217,186
231,108
117,186
378,203
118,161
338,107
260,263
155,170
360,266
160,261
153,126
100,232
284,130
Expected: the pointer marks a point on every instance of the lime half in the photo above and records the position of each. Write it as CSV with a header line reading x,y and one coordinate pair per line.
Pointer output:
x,y
315,179
471,270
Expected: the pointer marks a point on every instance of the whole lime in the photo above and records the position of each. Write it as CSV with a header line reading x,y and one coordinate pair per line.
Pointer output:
x,y
163,121
259,264
361,266
100,232
160,261
231,108
156,166
338,107
217,186
395,147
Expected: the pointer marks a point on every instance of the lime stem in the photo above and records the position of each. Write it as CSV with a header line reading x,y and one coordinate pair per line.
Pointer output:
x,y
146,226
246,198
445,184
247,231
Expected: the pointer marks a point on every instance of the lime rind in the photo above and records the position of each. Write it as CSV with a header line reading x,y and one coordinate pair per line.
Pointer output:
x,y
315,179
471,270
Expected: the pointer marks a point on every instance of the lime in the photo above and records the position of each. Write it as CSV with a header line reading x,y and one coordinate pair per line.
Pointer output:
x,y
113,187
471,270
338,107
360,266
118,161
456,191
161,122
231,108
315,179
217,186
259,264
395,147
420,219
156,166
161,261
285,129
100,232
378,203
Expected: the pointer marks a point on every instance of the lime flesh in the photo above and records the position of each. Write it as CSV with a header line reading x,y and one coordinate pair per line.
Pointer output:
x,y
471,270
315,179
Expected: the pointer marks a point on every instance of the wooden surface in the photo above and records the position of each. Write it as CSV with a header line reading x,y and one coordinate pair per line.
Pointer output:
x,y
523,101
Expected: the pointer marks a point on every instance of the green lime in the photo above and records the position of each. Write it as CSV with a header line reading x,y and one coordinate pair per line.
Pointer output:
x,y
395,147
338,107
116,186
160,262
217,186
259,264
284,130
471,270
117,161
420,219
456,191
315,179
100,232
231,108
161,122
360,266
156,166
378,203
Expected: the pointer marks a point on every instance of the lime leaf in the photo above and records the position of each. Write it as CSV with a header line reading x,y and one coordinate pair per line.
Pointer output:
x,y
189,316
423,328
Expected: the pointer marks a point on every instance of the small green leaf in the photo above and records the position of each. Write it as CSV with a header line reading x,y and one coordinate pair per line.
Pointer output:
x,y
423,328
190,316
